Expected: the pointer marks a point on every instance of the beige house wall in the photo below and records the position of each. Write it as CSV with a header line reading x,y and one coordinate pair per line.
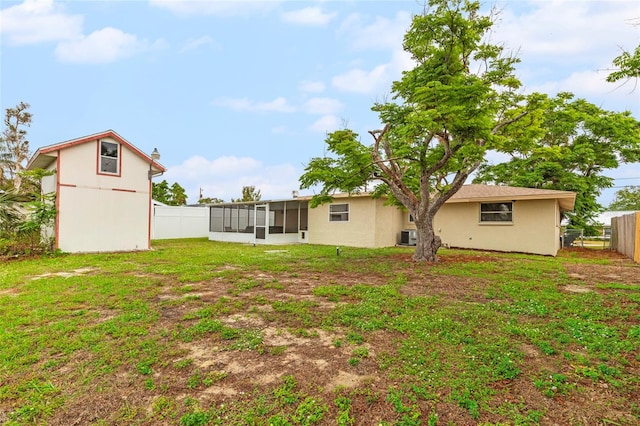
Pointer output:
x,y
370,224
92,220
389,224
535,228
100,212
80,167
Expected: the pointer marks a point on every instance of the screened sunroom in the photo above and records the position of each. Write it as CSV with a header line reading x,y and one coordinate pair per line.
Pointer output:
x,y
260,222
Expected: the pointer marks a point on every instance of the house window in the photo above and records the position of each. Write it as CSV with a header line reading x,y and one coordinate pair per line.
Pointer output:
x,y
109,158
496,212
339,213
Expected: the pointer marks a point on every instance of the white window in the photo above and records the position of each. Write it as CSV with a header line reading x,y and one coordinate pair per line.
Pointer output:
x,y
109,158
339,213
496,212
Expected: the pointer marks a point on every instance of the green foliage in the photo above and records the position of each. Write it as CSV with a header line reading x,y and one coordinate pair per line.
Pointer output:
x,y
24,211
210,200
627,198
309,412
26,220
552,384
628,65
10,216
575,142
173,195
196,418
249,193
443,118
178,195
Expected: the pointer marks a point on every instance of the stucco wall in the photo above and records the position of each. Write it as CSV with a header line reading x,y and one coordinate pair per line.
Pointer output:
x,y
390,221
98,212
535,228
359,231
79,166
92,220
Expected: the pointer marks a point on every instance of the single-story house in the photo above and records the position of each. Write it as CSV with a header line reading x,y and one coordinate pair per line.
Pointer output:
x,y
102,186
485,217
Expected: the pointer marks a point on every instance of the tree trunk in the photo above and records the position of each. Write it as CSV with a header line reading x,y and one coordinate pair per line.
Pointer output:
x,y
427,242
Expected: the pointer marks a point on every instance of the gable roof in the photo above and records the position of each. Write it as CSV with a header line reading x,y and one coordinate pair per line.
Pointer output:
x,y
487,193
46,155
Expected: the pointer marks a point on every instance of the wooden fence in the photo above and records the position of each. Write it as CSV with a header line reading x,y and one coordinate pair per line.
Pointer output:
x,y
625,235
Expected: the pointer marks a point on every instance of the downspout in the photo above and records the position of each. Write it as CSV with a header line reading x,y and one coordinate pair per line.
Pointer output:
x,y
155,155
57,223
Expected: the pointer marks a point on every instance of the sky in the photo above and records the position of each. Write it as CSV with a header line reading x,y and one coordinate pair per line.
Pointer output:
x,y
243,93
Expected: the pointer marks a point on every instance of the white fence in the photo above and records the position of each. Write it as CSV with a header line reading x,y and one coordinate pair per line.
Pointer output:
x,y
179,222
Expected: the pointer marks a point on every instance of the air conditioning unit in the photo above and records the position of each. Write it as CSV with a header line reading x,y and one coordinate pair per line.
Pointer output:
x,y
408,237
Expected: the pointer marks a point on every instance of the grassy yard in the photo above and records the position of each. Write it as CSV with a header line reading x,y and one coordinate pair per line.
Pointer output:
x,y
204,333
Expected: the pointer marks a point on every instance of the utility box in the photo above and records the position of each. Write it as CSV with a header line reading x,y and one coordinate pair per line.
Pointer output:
x,y
408,237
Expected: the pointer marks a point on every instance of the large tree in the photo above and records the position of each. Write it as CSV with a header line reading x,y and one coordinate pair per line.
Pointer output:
x,y
14,146
627,198
569,149
178,195
174,195
249,193
458,101
210,200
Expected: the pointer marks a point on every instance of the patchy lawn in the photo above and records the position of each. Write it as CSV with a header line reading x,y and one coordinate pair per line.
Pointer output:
x,y
198,332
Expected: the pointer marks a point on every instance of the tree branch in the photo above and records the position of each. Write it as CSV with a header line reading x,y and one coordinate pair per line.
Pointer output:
x,y
507,122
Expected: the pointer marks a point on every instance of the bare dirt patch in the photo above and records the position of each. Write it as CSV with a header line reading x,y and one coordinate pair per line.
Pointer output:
x,y
321,366
66,274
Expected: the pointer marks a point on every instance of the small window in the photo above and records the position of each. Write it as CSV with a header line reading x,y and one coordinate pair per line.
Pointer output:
x,y
496,212
109,158
339,213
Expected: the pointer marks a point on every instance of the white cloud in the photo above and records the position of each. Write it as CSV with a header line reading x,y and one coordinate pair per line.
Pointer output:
x,y
308,16
377,80
194,44
592,86
36,21
199,167
214,7
361,81
224,177
102,46
279,104
312,86
568,31
382,33
326,124
323,106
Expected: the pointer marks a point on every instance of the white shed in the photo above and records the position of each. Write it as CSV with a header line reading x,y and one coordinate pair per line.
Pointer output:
x,y
102,186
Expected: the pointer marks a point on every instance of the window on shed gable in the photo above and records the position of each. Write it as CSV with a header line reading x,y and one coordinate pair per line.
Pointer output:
x,y
109,157
496,212
339,213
